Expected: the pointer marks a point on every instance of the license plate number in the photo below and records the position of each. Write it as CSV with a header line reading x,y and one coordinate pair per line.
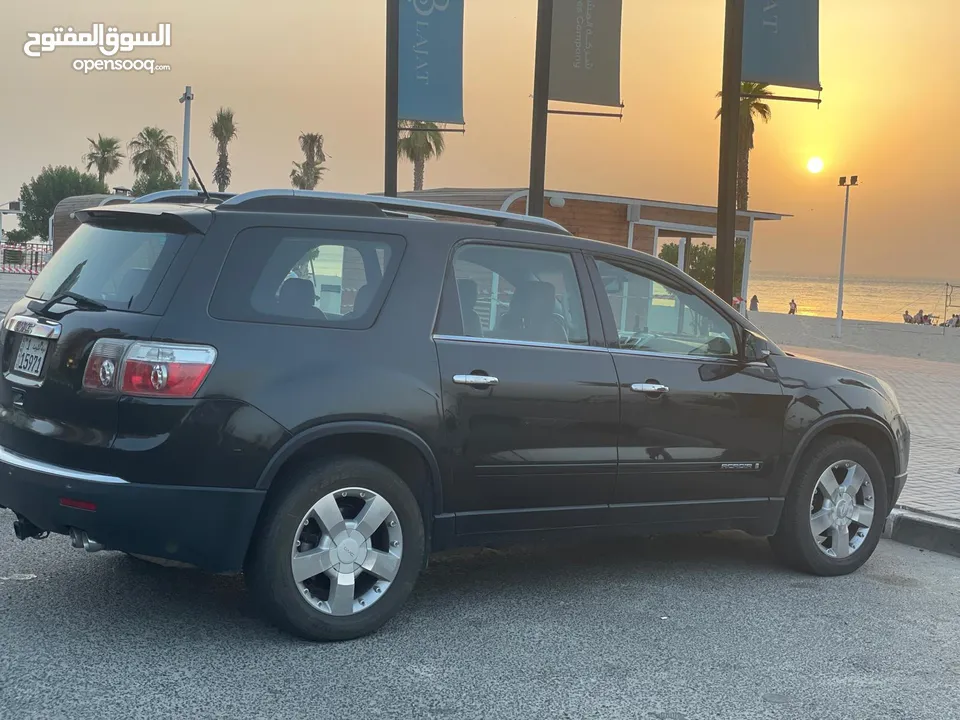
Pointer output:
x,y
30,356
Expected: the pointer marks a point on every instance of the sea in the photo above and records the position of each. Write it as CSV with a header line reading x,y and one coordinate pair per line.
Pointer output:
x,y
882,300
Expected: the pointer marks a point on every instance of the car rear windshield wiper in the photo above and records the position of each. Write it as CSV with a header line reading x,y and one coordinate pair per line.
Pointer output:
x,y
81,302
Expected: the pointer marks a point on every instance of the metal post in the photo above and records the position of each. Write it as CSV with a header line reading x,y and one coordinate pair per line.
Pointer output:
x,y
625,295
843,259
391,114
946,293
50,233
186,99
541,93
729,137
745,280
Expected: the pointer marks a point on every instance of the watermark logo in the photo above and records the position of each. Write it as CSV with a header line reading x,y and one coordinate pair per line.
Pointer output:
x,y
87,66
108,40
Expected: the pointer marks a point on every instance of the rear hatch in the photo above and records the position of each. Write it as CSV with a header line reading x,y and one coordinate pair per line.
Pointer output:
x,y
111,280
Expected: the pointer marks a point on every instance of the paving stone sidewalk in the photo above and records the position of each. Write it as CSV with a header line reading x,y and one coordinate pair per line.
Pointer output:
x,y
930,395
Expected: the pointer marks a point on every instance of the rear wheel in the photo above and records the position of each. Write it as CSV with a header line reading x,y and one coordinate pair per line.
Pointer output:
x,y
339,551
834,513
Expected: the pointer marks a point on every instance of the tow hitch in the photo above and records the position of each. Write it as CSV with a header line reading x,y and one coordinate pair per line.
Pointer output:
x,y
24,529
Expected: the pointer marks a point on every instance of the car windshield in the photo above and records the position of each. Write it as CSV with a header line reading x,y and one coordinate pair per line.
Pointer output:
x,y
119,268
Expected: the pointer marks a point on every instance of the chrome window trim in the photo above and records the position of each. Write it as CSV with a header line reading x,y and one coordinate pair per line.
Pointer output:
x,y
676,356
32,326
594,348
9,457
522,343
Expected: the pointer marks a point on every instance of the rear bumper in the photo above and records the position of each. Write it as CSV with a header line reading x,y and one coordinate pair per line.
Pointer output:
x,y
202,526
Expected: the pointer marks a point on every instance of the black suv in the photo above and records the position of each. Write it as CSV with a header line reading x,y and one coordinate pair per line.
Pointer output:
x,y
319,390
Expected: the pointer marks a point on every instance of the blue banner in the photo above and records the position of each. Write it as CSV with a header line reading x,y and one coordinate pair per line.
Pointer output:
x,y
781,43
431,60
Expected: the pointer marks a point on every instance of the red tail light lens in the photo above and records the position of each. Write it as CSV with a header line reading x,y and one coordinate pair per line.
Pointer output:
x,y
165,370
147,369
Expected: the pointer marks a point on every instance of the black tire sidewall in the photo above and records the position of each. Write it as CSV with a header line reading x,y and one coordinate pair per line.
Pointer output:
x,y
269,571
794,541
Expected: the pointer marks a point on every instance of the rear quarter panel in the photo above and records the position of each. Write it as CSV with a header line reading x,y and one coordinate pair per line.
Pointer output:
x,y
303,377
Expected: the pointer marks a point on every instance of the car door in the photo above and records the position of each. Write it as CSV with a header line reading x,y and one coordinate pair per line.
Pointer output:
x,y
530,396
701,428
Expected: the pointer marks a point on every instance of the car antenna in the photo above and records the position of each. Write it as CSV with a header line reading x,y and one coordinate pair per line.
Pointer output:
x,y
197,176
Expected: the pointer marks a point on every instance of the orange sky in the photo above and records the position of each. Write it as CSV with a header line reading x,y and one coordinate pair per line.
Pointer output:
x,y
890,69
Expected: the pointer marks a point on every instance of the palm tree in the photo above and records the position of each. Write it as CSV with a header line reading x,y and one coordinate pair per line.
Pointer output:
x,y
153,151
750,108
104,155
419,142
307,174
223,129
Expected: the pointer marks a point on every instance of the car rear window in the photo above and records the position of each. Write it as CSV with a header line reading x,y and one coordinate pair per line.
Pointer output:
x,y
306,277
117,267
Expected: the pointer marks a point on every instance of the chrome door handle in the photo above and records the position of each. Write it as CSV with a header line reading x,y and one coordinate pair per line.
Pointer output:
x,y
475,380
649,388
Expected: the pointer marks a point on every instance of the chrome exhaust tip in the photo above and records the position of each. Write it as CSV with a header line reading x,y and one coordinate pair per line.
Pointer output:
x,y
91,546
80,539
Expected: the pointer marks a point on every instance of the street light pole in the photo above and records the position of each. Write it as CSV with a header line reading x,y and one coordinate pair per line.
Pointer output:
x,y
392,107
729,142
541,96
843,249
185,100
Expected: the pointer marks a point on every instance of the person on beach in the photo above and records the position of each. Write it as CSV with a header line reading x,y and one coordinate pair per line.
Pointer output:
x,y
793,307
907,317
918,318
754,304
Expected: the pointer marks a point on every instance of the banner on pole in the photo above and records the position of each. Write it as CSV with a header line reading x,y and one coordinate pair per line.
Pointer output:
x,y
781,43
585,52
431,60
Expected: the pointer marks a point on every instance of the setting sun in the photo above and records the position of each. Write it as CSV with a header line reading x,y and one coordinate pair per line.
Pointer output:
x,y
815,165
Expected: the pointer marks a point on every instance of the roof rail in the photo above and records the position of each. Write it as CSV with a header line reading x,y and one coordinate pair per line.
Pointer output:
x,y
502,219
182,196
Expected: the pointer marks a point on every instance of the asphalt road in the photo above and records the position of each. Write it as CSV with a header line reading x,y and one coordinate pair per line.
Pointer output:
x,y
667,629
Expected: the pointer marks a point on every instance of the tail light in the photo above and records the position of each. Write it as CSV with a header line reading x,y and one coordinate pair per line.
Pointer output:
x,y
147,369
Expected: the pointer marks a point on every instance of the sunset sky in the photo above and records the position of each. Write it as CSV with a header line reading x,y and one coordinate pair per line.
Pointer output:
x,y
890,71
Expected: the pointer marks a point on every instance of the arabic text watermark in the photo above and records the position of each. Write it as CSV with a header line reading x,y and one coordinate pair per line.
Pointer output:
x,y
104,37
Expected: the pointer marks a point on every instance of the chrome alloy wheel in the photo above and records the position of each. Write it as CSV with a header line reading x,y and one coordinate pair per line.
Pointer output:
x,y
841,509
347,551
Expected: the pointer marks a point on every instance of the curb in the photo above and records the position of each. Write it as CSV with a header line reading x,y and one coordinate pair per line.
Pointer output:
x,y
923,530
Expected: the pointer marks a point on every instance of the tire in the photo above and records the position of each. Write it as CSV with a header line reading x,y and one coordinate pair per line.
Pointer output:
x,y
316,608
807,502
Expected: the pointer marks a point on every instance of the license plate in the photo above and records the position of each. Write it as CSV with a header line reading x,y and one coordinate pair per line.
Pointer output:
x,y
30,356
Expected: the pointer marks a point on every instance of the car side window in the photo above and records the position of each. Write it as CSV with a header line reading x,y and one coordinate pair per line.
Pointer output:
x,y
302,278
511,293
664,318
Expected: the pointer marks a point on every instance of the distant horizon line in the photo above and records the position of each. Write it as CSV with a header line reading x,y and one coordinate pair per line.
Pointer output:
x,y
782,275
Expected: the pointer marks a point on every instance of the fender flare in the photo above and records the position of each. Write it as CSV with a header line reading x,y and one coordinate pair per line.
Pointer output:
x,y
349,427
818,428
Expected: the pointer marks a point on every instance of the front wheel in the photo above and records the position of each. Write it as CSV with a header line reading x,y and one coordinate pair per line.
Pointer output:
x,y
835,510
339,551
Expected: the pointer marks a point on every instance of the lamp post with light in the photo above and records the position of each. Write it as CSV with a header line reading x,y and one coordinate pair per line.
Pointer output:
x,y
854,180
185,100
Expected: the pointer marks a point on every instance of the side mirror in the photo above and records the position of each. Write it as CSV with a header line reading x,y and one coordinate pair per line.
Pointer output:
x,y
755,348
